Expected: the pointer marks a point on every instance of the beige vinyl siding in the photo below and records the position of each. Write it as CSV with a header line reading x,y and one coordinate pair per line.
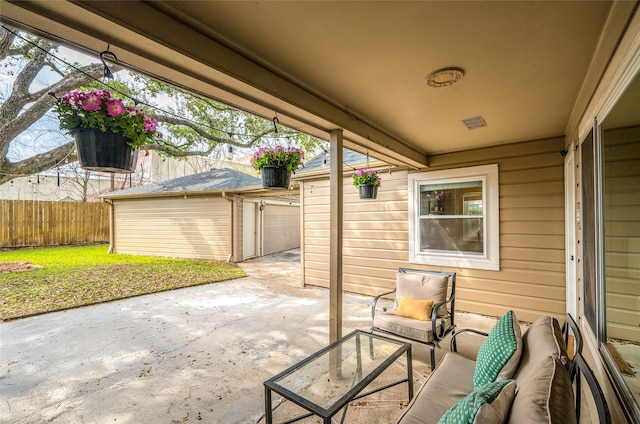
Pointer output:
x,y
195,227
531,280
281,228
375,234
622,232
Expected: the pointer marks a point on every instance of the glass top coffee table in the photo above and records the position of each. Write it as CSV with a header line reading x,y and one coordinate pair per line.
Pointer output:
x,y
328,380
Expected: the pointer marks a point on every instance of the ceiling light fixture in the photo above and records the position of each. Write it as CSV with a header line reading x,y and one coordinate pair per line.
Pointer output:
x,y
445,77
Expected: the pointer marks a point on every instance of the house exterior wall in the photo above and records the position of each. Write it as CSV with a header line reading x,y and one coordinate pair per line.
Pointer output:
x,y
195,227
622,68
531,280
281,228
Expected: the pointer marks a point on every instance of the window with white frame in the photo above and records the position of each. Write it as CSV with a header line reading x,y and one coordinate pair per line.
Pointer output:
x,y
453,218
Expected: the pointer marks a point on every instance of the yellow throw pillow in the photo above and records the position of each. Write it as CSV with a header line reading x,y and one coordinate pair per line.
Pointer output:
x,y
414,308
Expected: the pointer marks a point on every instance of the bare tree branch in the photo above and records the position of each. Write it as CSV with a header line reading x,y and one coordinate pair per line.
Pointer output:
x,y
198,126
46,160
13,120
6,40
209,136
172,151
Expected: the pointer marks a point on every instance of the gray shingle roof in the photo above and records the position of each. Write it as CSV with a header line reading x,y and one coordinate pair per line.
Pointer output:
x,y
348,157
214,180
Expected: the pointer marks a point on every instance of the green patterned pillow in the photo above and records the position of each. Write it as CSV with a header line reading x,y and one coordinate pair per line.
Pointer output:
x,y
488,404
499,355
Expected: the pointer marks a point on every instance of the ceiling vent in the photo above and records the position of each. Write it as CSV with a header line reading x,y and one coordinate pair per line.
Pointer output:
x,y
475,122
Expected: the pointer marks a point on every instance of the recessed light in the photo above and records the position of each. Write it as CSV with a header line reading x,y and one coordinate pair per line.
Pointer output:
x,y
445,77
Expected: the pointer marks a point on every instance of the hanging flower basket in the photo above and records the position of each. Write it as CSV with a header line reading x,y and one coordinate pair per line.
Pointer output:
x,y
367,181
275,177
368,191
276,165
107,131
104,151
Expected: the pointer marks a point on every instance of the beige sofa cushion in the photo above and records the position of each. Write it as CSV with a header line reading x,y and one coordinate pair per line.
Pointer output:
x,y
488,404
418,285
450,382
542,339
545,395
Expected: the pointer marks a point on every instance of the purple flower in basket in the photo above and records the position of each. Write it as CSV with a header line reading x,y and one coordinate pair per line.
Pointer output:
x,y
366,177
97,109
289,157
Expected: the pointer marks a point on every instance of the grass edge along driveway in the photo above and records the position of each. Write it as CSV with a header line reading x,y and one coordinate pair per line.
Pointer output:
x,y
73,276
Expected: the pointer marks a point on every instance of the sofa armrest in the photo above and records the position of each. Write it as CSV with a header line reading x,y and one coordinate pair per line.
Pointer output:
x,y
375,301
454,346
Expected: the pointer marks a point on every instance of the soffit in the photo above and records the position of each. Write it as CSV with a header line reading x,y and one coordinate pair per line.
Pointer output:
x,y
361,66
524,62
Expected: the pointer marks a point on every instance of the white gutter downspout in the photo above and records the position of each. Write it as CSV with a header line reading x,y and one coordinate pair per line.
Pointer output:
x,y
226,197
112,221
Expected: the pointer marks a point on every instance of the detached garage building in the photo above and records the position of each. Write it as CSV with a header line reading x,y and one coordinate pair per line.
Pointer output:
x,y
222,214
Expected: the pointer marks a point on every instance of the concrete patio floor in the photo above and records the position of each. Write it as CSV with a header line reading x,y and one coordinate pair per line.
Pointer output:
x,y
188,355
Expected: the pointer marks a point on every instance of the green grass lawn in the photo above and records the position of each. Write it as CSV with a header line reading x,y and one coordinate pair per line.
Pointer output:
x,y
83,275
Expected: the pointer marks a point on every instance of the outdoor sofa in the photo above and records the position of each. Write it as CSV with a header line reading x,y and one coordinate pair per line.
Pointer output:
x,y
516,378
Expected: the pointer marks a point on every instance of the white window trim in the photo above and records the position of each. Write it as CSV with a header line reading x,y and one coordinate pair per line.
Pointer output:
x,y
490,260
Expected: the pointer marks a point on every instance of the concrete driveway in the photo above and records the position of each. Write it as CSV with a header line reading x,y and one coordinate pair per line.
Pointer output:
x,y
198,354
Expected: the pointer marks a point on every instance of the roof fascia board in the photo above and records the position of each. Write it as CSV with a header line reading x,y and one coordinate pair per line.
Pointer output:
x,y
188,193
620,14
156,45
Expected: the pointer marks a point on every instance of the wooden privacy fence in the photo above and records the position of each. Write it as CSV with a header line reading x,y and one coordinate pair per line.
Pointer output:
x,y
44,223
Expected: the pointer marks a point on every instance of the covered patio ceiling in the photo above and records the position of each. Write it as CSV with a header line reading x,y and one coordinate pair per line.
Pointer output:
x,y
529,67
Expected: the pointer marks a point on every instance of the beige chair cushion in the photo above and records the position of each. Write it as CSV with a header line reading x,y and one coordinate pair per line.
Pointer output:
x,y
542,339
450,382
545,395
406,327
418,285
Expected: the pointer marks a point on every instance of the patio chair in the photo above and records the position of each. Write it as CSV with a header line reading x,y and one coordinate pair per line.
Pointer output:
x,y
413,286
572,341
579,370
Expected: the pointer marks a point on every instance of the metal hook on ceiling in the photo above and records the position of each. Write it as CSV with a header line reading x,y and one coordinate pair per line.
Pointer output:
x,y
275,122
107,74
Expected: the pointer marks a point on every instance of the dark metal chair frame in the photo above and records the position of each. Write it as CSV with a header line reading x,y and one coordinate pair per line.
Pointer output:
x,y
581,368
453,344
578,367
570,328
438,328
